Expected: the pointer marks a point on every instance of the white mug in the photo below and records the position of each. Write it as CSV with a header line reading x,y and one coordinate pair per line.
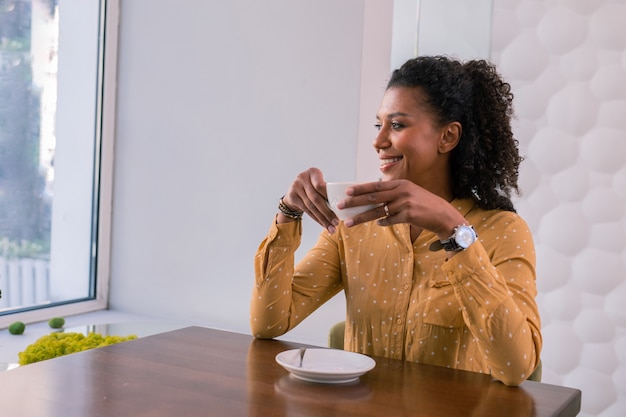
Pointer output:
x,y
336,192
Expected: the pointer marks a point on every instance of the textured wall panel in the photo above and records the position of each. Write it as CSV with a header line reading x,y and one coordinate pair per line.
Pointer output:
x,y
566,62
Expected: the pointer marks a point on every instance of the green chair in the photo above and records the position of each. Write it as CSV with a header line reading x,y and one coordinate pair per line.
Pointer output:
x,y
335,341
536,375
335,336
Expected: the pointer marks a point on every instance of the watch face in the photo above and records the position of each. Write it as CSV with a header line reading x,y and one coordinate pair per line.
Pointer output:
x,y
464,236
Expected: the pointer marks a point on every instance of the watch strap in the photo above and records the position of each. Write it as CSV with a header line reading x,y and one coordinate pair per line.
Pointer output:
x,y
448,245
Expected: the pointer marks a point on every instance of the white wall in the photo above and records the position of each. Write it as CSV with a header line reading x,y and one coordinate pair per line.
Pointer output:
x,y
220,105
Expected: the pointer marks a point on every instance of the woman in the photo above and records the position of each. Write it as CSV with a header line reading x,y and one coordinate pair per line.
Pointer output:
x,y
443,270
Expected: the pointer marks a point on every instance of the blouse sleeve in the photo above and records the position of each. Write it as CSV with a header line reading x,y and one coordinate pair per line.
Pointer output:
x,y
284,295
494,282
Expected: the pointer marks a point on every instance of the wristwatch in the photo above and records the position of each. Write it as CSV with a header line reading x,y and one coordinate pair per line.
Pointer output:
x,y
461,239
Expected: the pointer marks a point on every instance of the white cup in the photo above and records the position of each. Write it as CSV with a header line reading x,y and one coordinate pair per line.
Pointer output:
x,y
336,192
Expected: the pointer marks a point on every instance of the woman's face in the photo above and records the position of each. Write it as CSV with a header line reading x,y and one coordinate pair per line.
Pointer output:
x,y
409,140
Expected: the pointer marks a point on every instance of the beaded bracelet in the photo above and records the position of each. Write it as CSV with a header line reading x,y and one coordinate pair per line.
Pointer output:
x,y
288,212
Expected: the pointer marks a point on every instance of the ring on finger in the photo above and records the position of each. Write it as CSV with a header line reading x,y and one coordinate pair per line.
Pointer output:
x,y
387,213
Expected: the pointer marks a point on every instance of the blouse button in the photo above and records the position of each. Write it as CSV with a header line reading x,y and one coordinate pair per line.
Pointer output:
x,y
399,321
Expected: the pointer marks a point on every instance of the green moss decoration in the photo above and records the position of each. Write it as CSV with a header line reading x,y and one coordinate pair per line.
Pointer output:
x,y
60,344
56,322
17,328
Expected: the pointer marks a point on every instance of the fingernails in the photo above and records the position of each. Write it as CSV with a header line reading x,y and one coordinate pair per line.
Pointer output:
x,y
348,222
331,229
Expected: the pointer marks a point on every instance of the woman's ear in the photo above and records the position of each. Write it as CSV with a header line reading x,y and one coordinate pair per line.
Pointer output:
x,y
450,136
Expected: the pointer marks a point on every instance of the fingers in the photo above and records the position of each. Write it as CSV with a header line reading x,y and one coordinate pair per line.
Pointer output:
x,y
308,194
369,187
317,181
317,207
368,193
389,196
383,215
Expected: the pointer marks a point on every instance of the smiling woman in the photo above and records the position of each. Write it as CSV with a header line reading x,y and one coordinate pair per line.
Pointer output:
x,y
418,283
54,148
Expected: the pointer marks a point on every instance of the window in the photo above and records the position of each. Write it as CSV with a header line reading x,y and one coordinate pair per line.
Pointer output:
x,y
57,61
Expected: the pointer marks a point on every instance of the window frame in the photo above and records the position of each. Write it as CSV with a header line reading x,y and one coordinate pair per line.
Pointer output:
x,y
103,179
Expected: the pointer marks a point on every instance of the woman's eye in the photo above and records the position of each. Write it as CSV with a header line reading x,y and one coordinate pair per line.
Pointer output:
x,y
393,125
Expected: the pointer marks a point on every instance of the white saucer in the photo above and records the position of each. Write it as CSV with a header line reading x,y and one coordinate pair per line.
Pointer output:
x,y
328,366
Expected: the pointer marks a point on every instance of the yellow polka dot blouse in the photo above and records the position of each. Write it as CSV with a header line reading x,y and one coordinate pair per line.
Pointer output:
x,y
475,311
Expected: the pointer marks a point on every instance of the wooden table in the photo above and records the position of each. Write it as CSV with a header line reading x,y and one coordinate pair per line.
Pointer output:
x,y
204,372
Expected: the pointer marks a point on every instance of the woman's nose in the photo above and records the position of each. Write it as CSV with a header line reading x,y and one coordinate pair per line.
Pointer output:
x,y
381,141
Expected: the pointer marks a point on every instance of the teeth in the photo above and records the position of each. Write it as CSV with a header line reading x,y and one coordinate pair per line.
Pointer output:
x,y
389,161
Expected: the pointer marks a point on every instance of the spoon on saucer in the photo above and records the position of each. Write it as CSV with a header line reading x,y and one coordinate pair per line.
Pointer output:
x,y
302,352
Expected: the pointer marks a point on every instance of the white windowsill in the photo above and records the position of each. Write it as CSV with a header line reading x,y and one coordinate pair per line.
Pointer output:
x,y
11,345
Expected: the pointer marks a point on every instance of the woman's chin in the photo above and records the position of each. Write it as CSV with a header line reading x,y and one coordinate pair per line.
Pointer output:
x,y
390,176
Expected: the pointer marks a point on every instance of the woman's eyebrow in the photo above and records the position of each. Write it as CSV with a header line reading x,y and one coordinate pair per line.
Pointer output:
x,y
392,115
396,114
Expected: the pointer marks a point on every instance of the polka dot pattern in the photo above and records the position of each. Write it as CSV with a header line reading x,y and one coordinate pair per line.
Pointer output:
x,y
475,311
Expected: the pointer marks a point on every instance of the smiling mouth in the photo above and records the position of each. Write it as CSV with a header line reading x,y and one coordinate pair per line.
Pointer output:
x,y
387,161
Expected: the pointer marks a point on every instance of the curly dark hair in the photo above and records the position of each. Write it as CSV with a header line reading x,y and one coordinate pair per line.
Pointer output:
x,y
485,163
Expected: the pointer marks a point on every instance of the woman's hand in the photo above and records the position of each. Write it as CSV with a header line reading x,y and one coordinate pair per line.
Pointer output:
x,y
308,194
405,202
